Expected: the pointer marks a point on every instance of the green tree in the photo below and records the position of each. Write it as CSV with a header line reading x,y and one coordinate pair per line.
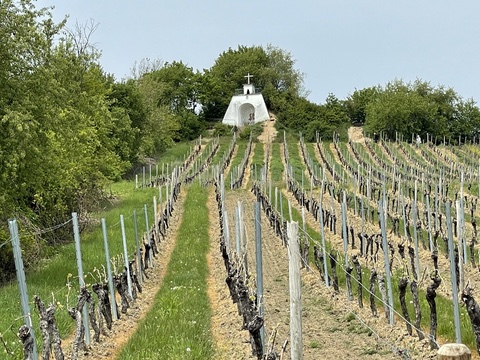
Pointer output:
x,y
273,73
356,104
227,75
399,109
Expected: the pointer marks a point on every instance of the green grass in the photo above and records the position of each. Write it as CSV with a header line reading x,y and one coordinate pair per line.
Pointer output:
x,y
276,166
178,326
49,278
237,159
258,161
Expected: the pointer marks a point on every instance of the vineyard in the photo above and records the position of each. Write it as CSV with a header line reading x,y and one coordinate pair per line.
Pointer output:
x,y
272,248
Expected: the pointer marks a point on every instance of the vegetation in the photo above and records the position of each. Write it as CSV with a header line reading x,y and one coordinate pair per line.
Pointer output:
x,y
51,280
69,129
182,305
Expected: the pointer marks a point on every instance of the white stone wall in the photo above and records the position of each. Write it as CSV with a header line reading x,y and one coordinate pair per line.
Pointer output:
x,y
239,116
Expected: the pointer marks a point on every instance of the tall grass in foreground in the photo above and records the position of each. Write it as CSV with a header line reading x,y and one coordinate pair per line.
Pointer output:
x,y
178,325
49,278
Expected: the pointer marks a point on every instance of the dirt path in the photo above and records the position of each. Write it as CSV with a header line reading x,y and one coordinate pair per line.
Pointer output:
x,y
329,330
230,339
355,134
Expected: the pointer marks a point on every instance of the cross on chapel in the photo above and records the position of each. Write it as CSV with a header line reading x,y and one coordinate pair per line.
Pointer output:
x,y
248,76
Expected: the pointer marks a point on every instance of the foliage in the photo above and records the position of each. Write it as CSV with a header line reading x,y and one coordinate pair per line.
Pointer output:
x,y
417,108
273,71
184,290
356,104
221,129
304,116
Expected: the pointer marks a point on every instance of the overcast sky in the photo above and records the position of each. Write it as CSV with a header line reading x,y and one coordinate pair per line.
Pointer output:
x,y
340,45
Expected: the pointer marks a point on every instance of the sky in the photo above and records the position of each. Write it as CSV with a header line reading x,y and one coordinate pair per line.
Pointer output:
x,y
340,45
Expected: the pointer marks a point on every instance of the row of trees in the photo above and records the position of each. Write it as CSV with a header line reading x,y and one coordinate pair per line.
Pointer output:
x,y
414,108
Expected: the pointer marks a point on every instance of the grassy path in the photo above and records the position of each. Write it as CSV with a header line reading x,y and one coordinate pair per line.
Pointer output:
x,y
178,325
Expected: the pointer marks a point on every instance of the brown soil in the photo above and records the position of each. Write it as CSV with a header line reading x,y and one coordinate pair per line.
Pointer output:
x,y
355,133
333,328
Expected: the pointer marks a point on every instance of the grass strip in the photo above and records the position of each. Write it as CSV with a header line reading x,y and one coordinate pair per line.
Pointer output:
x,y
178,325
49,278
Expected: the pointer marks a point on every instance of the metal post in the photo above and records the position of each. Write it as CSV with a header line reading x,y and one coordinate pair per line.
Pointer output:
x,y
22,284
76,234
125,254
147,230
322,233
137,244
429,224
109,271
237,230
344,229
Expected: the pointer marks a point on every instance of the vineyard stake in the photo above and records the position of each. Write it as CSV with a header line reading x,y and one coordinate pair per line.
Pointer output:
x,y
227,232
109,270
76,235
147,229
460,245
344,229
237,230
322,233
429,224
259,267
415,239
125,254
453,275
22,284
387,262
294,282
138,249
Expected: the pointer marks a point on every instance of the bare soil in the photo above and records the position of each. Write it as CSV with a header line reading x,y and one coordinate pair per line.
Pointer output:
x,y
333,328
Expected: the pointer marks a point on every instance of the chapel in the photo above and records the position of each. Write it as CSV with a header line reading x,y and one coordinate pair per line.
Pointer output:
x,y
247,108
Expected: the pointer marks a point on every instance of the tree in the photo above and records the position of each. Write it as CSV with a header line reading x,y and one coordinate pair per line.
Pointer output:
x,y
179,88
273,71
398,109
227,75
356,104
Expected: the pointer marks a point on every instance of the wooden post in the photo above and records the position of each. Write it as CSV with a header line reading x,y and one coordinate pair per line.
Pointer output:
x,y
259,267
295,292
454,352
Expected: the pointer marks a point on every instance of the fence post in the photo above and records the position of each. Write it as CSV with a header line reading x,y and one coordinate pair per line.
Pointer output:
x,y
76,234
386,260
125,254
322,233
295,292
22,284
109,271
155,215
259,267
147,230
137,244
453,273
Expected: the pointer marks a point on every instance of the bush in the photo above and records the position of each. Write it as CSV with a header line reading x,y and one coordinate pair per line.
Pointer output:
x,y
221,129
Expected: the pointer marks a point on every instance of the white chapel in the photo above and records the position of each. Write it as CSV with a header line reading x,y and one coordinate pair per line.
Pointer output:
x,y
247,108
